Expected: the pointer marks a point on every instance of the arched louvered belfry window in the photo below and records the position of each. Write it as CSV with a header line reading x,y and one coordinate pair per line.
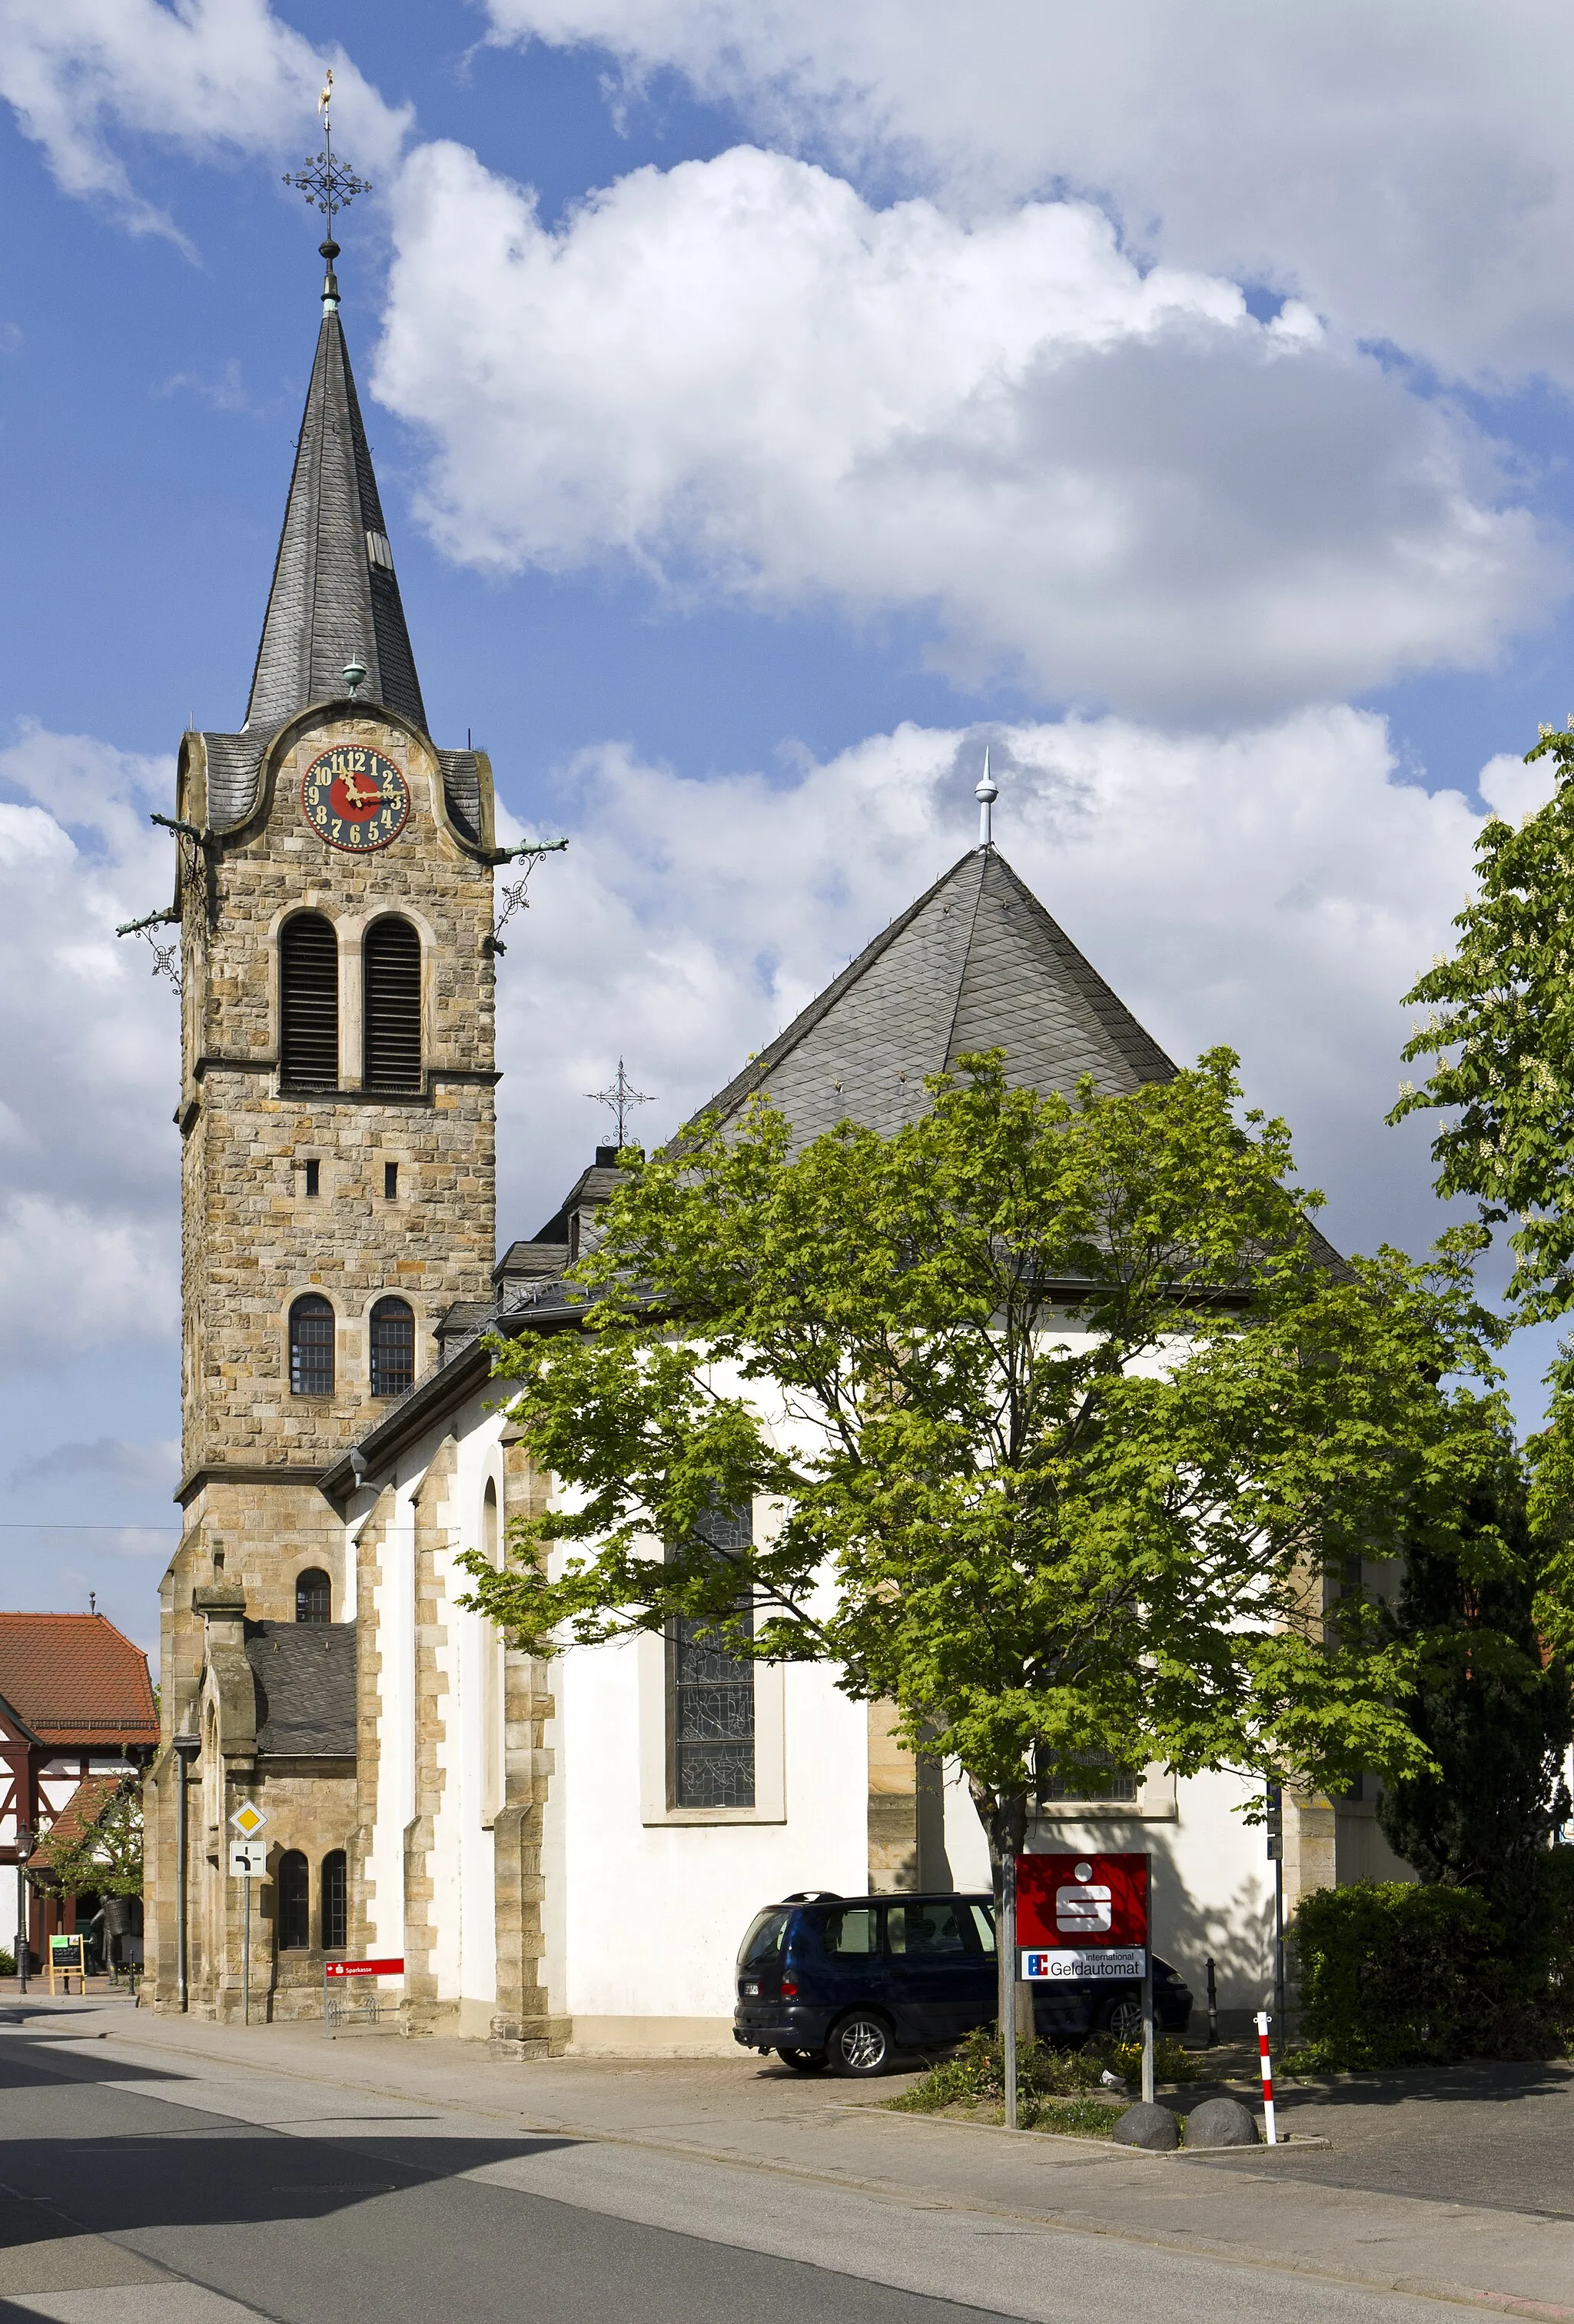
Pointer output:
x,y
311,1346
392,1347
309,1003
392,967
293,1882
314,1596
335,1902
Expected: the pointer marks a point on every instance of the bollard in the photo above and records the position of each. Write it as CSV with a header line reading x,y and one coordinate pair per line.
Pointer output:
x,y
1212,2007
1267,2066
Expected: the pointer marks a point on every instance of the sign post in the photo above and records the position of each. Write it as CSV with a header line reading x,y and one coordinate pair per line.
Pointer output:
x,y
1274,1820
1147,1999
248,1861
1084,1919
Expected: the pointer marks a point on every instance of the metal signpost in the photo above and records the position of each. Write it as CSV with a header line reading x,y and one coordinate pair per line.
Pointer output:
x,y
248,1861
1274,1820
1085,1918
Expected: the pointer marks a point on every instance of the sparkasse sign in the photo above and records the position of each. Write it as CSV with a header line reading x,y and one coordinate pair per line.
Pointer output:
x,y
1083,1916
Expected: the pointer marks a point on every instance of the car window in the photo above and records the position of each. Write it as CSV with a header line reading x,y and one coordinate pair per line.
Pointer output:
x,y
926,1929
984,1923
852,1930
762,1946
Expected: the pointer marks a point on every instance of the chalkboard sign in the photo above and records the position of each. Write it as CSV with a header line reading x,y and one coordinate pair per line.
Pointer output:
x,y
66,1959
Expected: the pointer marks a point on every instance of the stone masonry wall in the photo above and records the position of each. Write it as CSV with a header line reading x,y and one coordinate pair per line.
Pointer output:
x,y
524,2024
422,2008
253,1238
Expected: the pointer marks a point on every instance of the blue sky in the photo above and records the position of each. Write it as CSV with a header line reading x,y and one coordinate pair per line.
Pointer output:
x,y
771,404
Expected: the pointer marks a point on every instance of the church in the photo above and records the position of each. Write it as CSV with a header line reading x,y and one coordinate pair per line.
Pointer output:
x,y
558,1854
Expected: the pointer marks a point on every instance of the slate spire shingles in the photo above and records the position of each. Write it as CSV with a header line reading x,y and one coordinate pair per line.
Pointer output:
x,y
976,963
335,595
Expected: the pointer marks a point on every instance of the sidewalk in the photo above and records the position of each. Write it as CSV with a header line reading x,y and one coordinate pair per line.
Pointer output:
x,y
1334,2215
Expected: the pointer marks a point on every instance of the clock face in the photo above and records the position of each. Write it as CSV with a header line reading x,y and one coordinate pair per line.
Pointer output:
x,y
354,799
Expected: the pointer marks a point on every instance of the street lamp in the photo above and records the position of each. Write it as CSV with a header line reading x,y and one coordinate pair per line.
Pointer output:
x,y
26,1843
187,1749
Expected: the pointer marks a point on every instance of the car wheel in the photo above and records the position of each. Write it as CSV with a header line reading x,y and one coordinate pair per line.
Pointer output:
x,y
861,2044
804,2061
1121,2019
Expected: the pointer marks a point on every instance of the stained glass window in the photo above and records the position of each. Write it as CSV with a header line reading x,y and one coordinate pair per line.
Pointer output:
x,y
711,1698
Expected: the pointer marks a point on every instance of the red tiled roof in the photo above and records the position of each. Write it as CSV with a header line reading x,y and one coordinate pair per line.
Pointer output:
x,y
76,1679
81,1811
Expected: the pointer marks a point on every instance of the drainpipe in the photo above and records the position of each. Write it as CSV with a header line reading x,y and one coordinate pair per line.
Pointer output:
x,y
187,1749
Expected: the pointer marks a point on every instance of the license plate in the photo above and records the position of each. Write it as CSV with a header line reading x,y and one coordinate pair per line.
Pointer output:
x,y
750,1988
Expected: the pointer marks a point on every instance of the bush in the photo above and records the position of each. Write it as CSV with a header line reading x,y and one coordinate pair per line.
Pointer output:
x,y
1397,1974
8,1961
1054,2087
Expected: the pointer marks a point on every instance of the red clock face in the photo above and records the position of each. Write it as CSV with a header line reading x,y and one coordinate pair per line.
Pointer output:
x,y
355,798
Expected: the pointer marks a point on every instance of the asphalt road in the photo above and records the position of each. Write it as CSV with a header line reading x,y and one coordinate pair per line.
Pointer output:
x,y
136,2194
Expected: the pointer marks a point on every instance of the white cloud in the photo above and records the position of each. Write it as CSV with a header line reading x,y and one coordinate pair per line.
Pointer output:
x,y
218,78
107,1457
88,1232
1276,891
1402,166
740,375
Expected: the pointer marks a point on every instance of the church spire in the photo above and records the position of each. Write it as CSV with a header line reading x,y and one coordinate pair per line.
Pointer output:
x,y
335,599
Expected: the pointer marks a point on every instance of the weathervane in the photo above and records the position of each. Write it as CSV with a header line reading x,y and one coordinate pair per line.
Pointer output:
x,y
622,1097
330,186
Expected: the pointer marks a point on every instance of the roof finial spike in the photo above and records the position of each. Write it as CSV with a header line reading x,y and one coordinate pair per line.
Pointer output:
x,y
986,794
330,186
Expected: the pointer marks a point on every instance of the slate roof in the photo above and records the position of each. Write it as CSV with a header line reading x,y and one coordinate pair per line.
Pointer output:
x,y
976,963
333,587
305,1675
335,593
76,1680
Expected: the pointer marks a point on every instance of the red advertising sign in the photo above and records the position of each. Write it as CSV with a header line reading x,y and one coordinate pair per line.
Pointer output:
x,y
1078,1901
364,1968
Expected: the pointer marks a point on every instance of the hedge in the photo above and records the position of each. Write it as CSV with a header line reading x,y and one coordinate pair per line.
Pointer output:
x,y
1395,1974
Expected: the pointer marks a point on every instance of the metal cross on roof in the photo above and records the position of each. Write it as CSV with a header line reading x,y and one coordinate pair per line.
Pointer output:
x,y
329,185
622,1097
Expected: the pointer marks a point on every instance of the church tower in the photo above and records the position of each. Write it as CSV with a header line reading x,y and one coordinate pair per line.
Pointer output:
x,y
336,1119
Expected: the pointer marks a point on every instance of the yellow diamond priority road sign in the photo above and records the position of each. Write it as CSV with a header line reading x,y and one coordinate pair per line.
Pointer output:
x,y
248,1820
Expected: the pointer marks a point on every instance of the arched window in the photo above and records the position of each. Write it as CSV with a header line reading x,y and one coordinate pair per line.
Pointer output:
x,y
311,1346
336,1903
392,1006
314,1596
392,1347
309,1003
294,1885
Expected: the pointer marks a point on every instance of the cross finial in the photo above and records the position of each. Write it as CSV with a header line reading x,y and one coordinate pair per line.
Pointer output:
x,y
622,1097
330,186
986,793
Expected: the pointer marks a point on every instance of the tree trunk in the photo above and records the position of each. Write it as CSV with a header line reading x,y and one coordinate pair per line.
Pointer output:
x,y
1004,1816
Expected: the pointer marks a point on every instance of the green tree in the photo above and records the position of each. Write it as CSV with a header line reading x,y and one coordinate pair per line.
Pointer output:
x,y
1064,1414
103,1858
1491,1707
1501,1027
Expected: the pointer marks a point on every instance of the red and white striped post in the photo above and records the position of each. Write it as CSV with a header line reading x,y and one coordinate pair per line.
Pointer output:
x,y
1267,2066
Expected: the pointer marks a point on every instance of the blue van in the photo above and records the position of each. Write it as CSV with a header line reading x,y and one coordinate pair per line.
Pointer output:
x,y
847,1981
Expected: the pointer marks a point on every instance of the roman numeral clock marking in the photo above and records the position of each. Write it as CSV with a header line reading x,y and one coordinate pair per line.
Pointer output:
x,y
355,798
